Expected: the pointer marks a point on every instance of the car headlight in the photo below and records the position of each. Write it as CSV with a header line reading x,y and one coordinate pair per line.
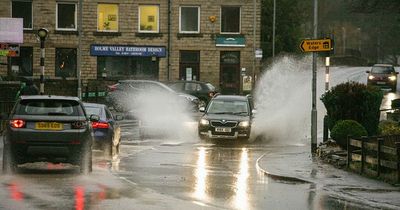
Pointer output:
x,y
392,78
244,124
371,77
204,122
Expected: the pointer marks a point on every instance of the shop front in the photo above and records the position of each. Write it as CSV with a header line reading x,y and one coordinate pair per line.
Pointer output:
x,y
127,61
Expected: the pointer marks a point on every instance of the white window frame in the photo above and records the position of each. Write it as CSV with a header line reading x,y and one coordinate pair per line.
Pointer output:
x,y
97,18
75,15
31,13
158,19
240,20
198,20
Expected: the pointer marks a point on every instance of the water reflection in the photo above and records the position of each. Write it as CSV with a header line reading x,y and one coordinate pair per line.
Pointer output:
x,y
241,199
200,175
210,181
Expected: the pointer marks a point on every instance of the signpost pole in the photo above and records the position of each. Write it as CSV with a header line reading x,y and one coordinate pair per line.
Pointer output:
x,y
314,87
42,34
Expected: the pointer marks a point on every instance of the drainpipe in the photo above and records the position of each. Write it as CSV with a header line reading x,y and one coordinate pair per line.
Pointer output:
x,y
169,40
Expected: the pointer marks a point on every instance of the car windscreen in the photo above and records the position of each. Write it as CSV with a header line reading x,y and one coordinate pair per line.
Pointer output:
x,y
227,107
49,107
382,70
92,110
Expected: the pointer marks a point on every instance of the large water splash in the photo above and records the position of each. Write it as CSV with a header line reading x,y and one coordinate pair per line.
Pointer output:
x,y
283,100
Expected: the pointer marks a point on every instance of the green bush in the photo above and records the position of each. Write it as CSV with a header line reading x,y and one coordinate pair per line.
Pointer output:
x,y
344,128
387,128
354,101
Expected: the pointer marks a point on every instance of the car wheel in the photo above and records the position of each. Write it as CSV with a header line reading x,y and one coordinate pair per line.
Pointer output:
x,y
9,166
108,149
86,160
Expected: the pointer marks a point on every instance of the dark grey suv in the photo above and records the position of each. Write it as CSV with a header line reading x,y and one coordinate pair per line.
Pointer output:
x,y
48,128
227,117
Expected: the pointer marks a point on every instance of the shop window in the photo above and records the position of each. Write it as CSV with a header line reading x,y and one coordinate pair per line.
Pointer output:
x,y
22,65
230,19
189,65
127,67
66,16
107,17
23,9
65,62
189,20
149,18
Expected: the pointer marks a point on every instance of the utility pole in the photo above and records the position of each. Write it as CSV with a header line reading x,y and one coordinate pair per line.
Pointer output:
x,y
314,86
79,60
42,34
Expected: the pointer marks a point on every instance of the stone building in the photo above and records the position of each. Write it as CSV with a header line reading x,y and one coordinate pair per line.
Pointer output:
x,y
204,40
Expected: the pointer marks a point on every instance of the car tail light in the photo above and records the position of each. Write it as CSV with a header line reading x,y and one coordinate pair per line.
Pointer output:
x,y
112,87
78,124
17,123
100,125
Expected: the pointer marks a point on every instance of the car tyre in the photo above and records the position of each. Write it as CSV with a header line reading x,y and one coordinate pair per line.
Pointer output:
x,y
9,165
86,160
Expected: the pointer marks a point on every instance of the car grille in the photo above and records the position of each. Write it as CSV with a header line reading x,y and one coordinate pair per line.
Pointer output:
x,y
219,123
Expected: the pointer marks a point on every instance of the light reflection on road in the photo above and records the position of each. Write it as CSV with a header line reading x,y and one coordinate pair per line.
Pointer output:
x,y
241,199
201,175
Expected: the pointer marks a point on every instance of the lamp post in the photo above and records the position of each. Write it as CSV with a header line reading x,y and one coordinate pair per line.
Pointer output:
x,y
42,34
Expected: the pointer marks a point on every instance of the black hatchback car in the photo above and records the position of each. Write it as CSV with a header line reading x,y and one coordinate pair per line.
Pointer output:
x,y
226,117
383,75
202,90
48,128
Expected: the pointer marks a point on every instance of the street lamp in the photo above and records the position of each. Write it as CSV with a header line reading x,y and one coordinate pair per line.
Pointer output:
x,y
42,34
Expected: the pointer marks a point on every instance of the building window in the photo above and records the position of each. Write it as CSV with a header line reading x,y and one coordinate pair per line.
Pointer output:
x,y
107,17
23,9
189,65
22,65
127,67
65,62
230,19
189,20
148,18
66,16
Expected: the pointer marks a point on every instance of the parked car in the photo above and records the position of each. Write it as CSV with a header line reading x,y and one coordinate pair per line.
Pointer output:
x,y
226,117
107,132
202,90
383,75
48,128
128,95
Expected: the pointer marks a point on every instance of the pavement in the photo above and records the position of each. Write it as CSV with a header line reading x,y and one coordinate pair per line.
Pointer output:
x,y
296,164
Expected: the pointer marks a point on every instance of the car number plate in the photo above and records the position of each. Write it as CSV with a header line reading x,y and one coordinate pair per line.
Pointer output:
x,y
381,83
48,126
221,129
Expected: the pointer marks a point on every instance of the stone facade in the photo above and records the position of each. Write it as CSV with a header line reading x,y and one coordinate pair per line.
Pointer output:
x,y
44,15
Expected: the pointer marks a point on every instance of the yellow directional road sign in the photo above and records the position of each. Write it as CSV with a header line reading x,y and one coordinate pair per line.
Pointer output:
x,y
316,45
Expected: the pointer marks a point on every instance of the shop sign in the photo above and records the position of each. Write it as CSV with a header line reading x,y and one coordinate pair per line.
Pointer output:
x,y
127,50
9,50
225,41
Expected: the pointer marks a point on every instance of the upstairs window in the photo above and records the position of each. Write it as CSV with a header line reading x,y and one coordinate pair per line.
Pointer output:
x,y
189,19
230,19
66,62
149,18
66,16
107,17
23,9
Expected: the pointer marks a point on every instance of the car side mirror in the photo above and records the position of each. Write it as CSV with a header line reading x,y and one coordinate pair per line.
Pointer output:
x,y
119,117
94,118
202,109
368,72
253,111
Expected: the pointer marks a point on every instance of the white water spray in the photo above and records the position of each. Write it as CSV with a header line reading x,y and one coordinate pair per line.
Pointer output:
x,y
283,101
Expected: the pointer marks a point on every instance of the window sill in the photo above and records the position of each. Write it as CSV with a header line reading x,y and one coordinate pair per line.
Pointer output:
x,y
148,35
66,32
30,31
183,35
103,33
